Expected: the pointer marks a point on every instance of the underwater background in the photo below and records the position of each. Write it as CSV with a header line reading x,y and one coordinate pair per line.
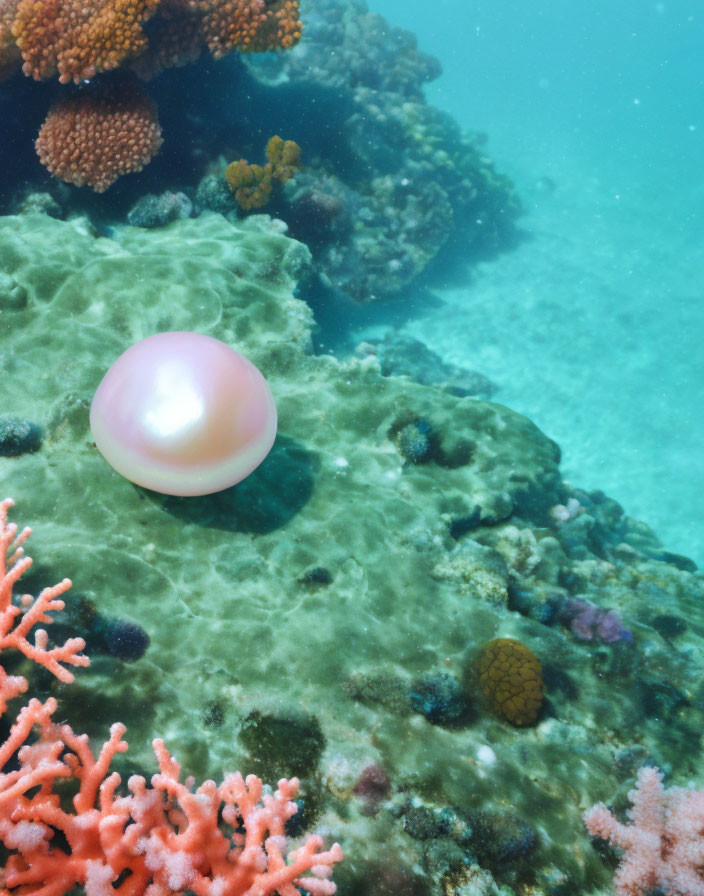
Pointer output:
x,y
596,113
461,596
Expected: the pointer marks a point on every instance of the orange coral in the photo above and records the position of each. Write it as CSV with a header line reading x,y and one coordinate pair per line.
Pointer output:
x,y
77,39
93,138
252,184
511,679
16,622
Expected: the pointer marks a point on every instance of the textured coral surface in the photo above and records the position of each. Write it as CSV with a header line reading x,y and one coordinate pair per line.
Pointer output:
x,y
511,679
75,40
319,617
92,139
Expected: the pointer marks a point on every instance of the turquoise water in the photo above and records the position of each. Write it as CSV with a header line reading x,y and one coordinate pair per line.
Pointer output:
x,y
458,596
594,327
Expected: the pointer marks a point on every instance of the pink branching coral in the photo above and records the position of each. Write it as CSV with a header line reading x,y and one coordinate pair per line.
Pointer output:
x,y
664,844
160,840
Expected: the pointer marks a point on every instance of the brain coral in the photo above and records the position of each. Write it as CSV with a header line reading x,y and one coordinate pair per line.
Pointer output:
x,y
511,679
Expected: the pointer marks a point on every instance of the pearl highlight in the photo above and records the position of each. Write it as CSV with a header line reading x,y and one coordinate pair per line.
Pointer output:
x,y
183,414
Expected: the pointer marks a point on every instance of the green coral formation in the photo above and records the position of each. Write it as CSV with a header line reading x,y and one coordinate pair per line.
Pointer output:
x,y
303,604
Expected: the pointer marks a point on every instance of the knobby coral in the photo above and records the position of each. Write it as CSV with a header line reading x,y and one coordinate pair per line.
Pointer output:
x,y
95,137
76,41
663,847
163,839
252,184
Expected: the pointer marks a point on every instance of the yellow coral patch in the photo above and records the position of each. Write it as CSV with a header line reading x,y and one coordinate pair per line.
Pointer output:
x,y
252,184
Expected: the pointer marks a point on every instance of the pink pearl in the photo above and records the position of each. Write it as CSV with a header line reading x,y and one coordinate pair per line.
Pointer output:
x,y
183,414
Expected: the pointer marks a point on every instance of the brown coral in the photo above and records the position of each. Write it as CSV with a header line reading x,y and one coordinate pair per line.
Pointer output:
x,y
93,138
285,158
182,28
511,679
252,184
252,26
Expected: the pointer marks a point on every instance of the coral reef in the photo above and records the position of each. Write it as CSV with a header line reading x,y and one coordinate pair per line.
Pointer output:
x,y
392,187
91,139
167,837
323,600
411,182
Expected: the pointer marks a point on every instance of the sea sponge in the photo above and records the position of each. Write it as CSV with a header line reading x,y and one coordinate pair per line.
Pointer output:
x,y
511,679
